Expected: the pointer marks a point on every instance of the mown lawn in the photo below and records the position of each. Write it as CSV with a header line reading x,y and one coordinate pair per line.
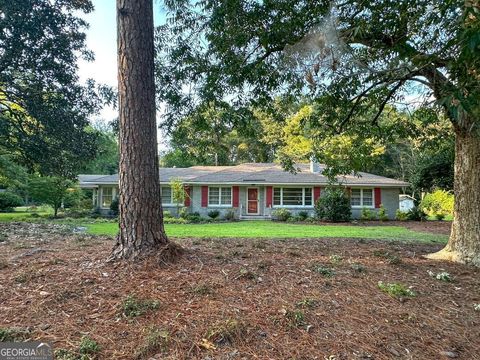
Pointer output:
x,y
269,229
23,214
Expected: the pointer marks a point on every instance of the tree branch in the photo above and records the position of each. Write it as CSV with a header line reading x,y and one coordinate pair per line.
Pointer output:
x,y
386,100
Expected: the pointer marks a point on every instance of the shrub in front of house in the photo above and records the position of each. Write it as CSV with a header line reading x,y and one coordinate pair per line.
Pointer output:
x,y
333,205
114,206
303,215
229,215
9,201
194,218
367,214
213,214
294,218
173,220
401,215
281,214
183,212
96,213
416,214
73,198
382,213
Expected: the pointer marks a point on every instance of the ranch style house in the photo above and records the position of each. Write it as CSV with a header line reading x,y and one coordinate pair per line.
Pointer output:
x,y
254,190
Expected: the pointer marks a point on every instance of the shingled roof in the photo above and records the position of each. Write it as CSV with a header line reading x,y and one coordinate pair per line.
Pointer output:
x,y
249,173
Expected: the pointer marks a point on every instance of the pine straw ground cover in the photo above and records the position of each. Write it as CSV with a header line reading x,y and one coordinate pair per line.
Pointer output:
x,y
237,299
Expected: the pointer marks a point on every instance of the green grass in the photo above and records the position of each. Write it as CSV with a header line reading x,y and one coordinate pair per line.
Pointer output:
x,y
23,214
269,229
447,218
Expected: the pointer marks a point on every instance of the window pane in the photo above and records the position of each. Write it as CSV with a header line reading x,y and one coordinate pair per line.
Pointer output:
x,y
292,196
213,195
367,197
355,197
226,198
107,197
166,192
276,196
308,196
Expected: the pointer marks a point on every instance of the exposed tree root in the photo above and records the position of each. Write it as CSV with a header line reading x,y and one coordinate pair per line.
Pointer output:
x,y
161,254
447,254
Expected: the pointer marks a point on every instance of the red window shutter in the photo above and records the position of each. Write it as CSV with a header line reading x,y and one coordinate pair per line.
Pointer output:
x,y
236,196
269,200
378,197
187,195
316,193
204,196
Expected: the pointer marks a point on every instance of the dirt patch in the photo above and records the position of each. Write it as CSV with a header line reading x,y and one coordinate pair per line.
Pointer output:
x,y
239,299
435,227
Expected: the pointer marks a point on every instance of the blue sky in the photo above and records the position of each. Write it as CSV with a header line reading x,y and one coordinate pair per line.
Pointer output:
x,y
102,40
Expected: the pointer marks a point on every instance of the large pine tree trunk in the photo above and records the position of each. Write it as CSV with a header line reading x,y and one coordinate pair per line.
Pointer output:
x,y
464,243
140,208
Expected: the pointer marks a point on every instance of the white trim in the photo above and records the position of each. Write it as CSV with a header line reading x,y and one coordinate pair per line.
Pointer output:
x,y
219,204
401,185
258,201
171,203
361,206
114,196
303,206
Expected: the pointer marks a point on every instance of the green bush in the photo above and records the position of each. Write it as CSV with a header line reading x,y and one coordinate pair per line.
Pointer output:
x,y
9,200
281,214
302,215
416,214
333,205
213,214
401,215
167,214
114,206
367,214
85,204
382,213
293,219
229,215
183,212
73,197
172,220
193,218
440,202
440,216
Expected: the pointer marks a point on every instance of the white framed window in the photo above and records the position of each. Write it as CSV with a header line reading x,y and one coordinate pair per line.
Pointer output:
x,y
219,196
293,196
361,198
167,194
107,196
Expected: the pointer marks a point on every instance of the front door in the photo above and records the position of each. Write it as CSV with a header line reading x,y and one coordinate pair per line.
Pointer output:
x,y
252,201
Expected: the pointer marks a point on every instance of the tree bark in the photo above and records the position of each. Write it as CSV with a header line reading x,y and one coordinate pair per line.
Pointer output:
x,y
464,243
140,209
